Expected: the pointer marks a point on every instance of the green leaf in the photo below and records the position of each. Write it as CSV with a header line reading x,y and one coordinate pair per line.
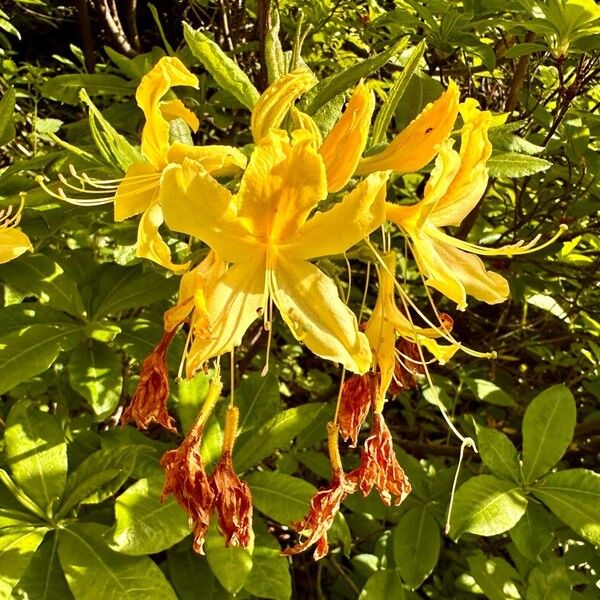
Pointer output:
x,y
41,276
120,288
191,575
548,427
96,372
37,453
258,400
276,433
494,576
144,524
7,109
281,497
574,497
498,454
513,164
232,565
549,580
95,572
26,353
522,49
383,584
19,316
331,86
44,578
416,546
16,551
487,506
223,69
489,392
66,88
8,512
274,55
191,393
534,532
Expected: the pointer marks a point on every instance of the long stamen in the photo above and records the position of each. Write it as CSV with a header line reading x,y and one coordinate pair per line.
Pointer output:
x,y
6,220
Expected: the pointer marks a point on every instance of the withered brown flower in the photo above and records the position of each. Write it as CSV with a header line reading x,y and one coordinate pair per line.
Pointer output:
x,y
149,402
379,466
324,505
187,480
359,393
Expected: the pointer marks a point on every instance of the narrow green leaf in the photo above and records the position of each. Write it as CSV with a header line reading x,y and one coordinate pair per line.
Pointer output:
x,y
12,512
7,109
487,506
37,453
223,69
549,580
548,427
512,164
498,454
383,584
96,372
416,546
65,88
274,56
276,433
26,353
331,86
16,550
144,524
43,277
395,94
534,532
574,497
95,572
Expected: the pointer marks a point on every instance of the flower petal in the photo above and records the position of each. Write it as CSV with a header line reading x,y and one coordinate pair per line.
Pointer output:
x,y
176,109
310,305
150,243
137,191
283,182
219,161
13,243
236,301
342,148
416,145
339,228
277,99
193,202
168,72
303,121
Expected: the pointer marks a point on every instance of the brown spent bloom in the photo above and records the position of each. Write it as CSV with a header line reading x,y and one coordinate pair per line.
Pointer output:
x,y
149,402
359,393
324,505
187,480
379,466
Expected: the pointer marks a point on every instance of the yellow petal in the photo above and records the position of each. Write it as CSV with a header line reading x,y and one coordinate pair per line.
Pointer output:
x,y
277,99
219,161
176,109
13,243
193,202
303,121
339,228
470,182
138,190
342,148
150,243
237,299
168,72
310,305
416,145
283,182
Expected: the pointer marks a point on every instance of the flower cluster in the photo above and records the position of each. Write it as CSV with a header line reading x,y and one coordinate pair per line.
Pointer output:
x,y
262,221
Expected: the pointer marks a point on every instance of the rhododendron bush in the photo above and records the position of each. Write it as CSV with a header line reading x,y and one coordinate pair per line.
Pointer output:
x,y
299,301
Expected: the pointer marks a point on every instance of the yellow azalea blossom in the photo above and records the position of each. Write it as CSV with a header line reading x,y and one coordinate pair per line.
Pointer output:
x,y
13,242
455,187
140,190
417,144
387,322
265,232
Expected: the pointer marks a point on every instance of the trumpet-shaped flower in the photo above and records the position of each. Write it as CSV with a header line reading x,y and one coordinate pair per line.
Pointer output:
x,y
13,242
456,185
266,232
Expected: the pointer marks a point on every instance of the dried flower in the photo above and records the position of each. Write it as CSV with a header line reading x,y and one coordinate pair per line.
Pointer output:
x,y
379,466
359,393
149,402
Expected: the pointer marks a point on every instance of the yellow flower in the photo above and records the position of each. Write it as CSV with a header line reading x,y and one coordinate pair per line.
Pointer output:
x,y
13,242
417,144
387,322
265,232
140,190
456,185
